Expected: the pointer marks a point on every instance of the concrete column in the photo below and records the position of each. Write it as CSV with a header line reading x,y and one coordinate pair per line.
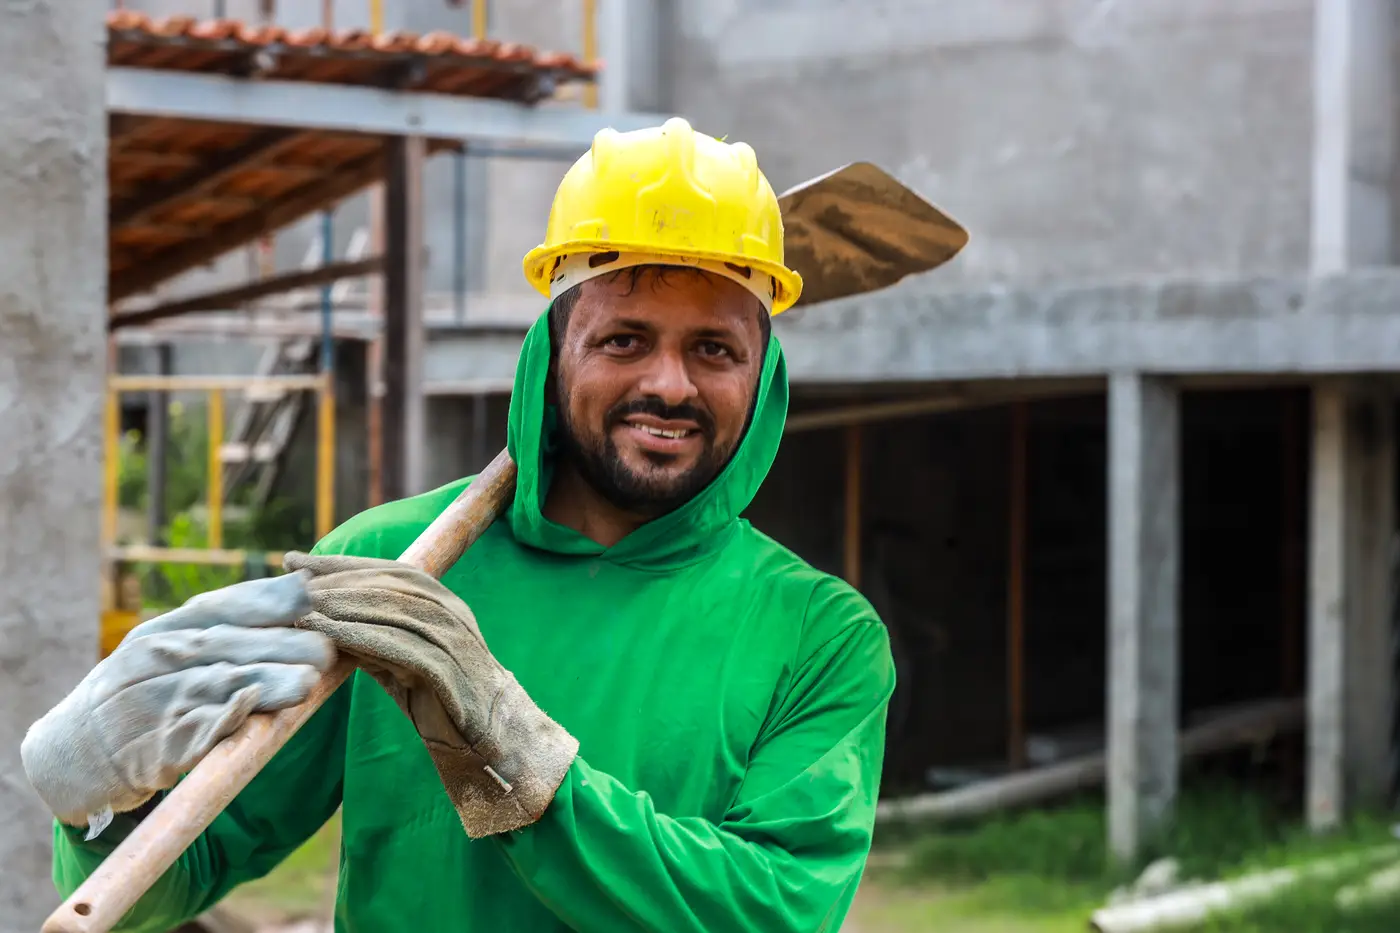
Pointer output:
x,y
1351,689
53,273
1354,134
632,38
1143,607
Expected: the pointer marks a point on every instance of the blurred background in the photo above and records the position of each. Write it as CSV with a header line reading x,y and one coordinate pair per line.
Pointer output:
x,y
1120,478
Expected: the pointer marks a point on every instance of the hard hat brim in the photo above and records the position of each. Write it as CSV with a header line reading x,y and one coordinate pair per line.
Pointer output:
x,y
539,262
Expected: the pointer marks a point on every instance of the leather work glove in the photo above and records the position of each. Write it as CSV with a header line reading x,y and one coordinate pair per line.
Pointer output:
x,y
499,756
174,687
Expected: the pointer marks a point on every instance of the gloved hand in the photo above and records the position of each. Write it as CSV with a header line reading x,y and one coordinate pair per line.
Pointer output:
x,y
174,687
500,757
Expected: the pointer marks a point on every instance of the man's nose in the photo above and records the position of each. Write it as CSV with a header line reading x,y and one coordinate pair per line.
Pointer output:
x,y
668,379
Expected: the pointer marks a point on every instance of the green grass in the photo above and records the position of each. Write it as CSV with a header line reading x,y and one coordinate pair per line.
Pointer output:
x,y
1040,871
1044,871
301,887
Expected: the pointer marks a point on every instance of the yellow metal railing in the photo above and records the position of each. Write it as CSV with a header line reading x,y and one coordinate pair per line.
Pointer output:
x,y
479,19
121,591
215,388
590,50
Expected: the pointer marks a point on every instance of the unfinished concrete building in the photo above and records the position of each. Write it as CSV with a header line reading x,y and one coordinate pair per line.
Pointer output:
x,y
1131,458
1127,462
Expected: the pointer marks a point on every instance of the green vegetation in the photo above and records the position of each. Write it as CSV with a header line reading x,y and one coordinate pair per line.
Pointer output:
x,y
277,526
1045,871
302,887
1041,871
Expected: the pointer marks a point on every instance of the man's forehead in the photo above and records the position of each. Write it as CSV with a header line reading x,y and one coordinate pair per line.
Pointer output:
x,y
668,295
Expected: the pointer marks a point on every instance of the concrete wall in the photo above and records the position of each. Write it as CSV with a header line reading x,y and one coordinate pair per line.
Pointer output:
x,y
1075,139
52,275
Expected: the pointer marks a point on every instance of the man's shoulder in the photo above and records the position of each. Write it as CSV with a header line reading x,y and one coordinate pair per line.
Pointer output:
x,y
829,602
387,530
838,632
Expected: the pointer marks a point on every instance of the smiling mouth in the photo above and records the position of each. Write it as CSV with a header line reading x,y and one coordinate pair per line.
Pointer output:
x,y
662,439
675,433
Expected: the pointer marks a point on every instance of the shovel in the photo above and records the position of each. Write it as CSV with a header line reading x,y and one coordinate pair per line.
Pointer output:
x,y
850,231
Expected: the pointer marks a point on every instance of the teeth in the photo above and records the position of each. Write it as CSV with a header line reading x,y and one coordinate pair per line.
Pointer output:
x,y
658,432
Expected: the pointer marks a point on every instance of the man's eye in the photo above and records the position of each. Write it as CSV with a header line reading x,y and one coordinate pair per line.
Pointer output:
x,y
621,341
710,348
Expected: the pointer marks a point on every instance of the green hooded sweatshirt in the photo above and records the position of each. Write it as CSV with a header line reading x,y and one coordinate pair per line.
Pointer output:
x,y
729,701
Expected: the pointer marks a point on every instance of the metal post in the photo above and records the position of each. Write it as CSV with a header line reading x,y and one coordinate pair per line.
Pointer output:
x,y
111,465
459,235
215,496
1292,562
157,449
590,50
480,455
1293,547
481,19
374,348
327,258
325,455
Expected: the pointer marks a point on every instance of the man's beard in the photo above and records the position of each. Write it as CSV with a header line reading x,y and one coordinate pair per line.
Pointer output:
x,y
596,458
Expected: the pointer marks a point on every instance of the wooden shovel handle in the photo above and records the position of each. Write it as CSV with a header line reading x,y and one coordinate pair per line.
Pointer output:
x,y
153,846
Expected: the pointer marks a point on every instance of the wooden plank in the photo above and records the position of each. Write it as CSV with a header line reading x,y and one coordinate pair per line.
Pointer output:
x,y
1016,590
229,298
200,179
854,459
341,184
402,426
1219,730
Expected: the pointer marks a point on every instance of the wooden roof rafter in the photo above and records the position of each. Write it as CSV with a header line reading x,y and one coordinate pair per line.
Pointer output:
x,y
192,181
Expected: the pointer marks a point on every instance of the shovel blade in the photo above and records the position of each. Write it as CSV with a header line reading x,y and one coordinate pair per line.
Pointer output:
x,y
858,229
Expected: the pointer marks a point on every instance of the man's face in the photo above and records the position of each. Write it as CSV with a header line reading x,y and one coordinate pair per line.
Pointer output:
x,y
656,373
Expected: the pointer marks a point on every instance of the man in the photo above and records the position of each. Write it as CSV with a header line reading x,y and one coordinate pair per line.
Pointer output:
x,y
665,720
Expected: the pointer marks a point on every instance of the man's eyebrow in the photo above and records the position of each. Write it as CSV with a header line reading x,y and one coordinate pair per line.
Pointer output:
x,y
711,332
630,322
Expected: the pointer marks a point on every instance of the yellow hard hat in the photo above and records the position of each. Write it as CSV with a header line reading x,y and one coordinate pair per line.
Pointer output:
x,y
665,195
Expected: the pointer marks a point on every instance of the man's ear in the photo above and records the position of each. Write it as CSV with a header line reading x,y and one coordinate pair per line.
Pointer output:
x,y
551,382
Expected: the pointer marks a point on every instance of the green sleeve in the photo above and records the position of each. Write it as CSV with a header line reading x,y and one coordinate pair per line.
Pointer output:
x,y
283,806
788,854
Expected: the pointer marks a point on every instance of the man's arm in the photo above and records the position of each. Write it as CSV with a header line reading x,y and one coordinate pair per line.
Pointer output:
x,y
285,803
789,853
281,808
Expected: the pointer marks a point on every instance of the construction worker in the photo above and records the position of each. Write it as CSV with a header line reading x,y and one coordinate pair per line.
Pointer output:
x,y
644,713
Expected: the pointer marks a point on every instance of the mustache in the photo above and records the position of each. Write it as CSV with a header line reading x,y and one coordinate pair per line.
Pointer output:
x,y
654,406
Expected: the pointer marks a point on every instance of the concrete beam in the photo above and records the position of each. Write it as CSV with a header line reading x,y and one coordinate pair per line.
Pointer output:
x,y
1351,696
1229,327
1344,323
53,263
1143,607
353,109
